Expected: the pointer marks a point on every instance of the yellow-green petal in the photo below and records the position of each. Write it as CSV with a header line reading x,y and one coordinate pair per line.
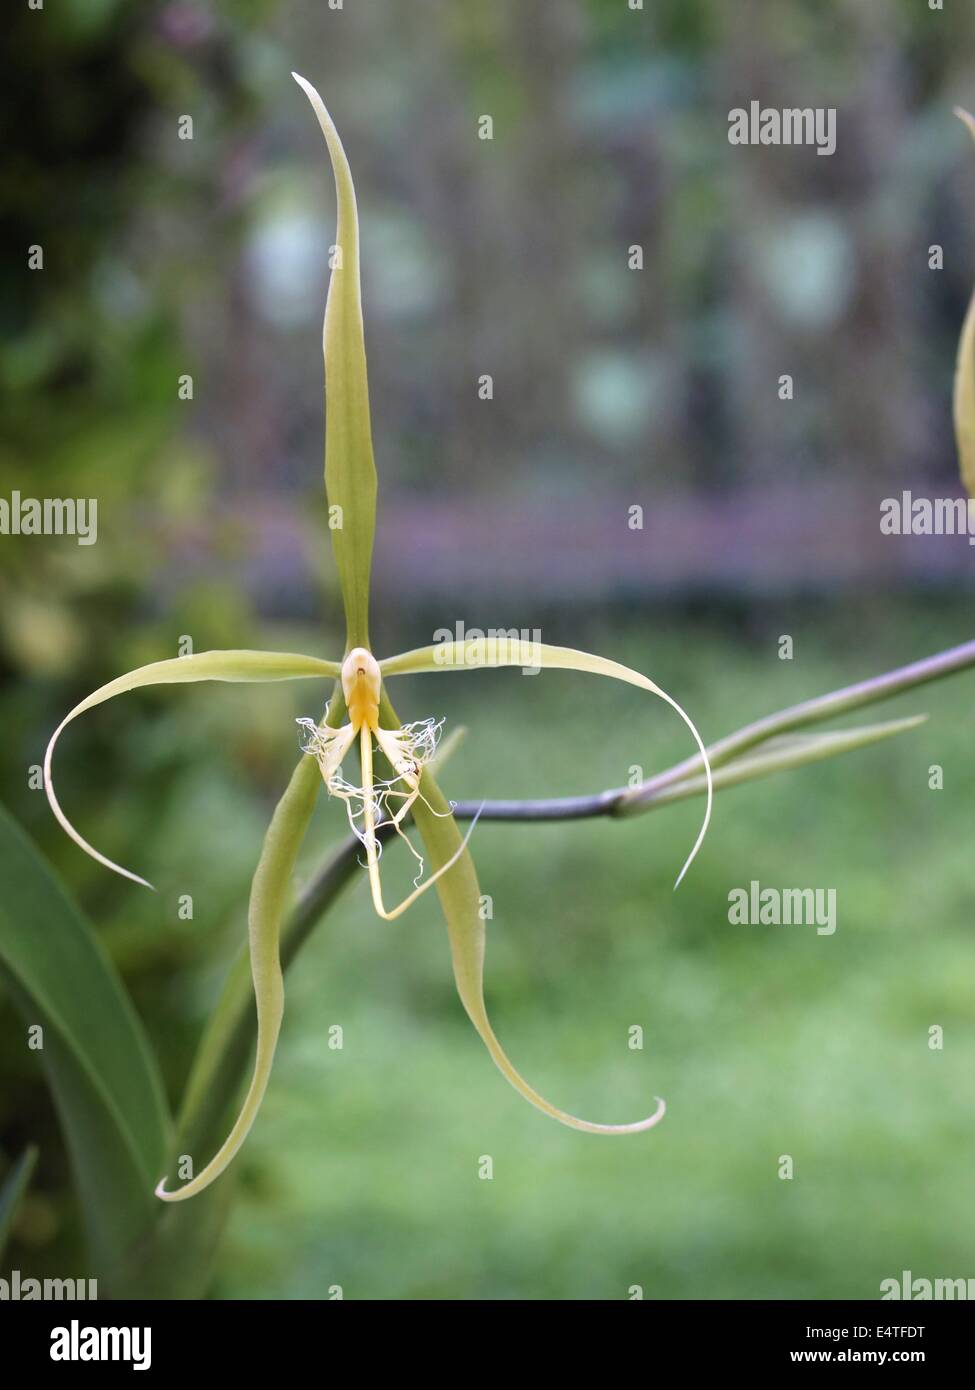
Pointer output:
x,y
460,898
350,470
964,395
494,652
202,666
269,898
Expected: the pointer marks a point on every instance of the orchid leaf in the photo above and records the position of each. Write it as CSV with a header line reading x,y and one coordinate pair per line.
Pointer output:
x,y
203,666
12,1192
350,470
964,395
269,899
777,755
802,716
98,1062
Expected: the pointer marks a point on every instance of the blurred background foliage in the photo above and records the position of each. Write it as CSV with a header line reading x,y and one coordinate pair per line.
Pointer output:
x,y
612,387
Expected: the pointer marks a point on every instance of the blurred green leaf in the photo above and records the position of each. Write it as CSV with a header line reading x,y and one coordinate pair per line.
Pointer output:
x,y
964,399
98,1062
780,755
12,1192
788,721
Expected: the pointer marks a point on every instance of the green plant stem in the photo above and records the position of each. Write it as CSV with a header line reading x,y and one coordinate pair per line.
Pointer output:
x,y
622,801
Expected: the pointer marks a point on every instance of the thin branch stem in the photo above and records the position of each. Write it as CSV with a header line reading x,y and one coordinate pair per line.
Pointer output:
x,y
621,801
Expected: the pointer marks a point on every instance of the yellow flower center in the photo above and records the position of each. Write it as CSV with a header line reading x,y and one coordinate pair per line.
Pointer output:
x,y
360,685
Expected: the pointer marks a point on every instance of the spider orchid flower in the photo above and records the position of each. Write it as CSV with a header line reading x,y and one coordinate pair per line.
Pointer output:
x,y
360,714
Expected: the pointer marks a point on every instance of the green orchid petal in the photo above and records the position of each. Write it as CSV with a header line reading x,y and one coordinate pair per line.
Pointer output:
x,y
225,1046
494,652
350,471
460,898
269,898
203,666
458,888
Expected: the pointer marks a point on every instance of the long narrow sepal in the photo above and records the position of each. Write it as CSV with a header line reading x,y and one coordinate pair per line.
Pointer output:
x,y
350,470
269,897
460,899
203,666
494,652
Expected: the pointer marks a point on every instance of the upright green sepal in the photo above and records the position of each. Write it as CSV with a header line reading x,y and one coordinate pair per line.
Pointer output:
x,y
350,470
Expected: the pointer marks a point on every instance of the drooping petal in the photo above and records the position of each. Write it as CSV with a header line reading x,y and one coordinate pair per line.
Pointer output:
x,y
964,397
202,666
493,652
350,470
460,898
372,800
269,897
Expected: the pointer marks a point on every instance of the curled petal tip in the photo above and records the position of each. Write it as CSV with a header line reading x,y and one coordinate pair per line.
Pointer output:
x,y
179,1195
306,87
66,825
639,1126
967,117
